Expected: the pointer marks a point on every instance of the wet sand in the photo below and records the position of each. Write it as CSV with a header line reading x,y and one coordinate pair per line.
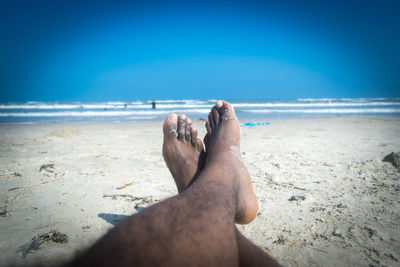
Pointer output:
x,y
326,198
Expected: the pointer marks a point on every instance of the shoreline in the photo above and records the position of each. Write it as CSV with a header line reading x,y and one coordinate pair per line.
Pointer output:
x,y
64,112
344,207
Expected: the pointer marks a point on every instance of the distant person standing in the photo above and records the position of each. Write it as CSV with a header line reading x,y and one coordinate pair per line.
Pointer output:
x,y
153,104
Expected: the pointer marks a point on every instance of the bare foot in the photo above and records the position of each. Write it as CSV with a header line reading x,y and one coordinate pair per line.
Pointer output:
x,y
183,152
223,144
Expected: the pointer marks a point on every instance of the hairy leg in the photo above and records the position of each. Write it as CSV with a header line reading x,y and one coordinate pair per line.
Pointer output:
x,y
193,228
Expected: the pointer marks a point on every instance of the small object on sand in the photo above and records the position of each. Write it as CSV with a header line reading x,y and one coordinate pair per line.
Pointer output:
x,y
140,200
280,240
393,158
300,196
371,232
21,187
29,186
254,124
3,213
114,196
37,241
124,185
47,167
9,174
337,233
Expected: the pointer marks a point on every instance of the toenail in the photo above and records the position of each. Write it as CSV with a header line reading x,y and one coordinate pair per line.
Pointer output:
x,y
219,103
172,130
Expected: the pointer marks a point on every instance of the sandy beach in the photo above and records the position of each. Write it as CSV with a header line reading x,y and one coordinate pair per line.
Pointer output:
x,y
326,198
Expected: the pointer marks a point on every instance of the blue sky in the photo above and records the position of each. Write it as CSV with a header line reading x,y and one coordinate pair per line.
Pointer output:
x,y
127,50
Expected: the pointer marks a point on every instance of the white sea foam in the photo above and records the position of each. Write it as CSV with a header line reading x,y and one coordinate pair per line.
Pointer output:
x,y
73,106
347,99
38,106
164,106
103,106
326,111
177,101
315,99
137,110
108,106
316,104
195,104
100,113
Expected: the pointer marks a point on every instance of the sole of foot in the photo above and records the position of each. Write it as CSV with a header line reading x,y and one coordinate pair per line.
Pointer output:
x,y
182,150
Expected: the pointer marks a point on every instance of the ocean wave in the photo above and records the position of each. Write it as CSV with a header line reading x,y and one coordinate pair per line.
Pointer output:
x,y
37,106
101,106
101,113
177,101
127,106
315,104
73,106
138,110
165,106
326,111
348,99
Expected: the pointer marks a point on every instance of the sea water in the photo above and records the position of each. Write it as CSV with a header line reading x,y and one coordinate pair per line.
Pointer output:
x,y
258,110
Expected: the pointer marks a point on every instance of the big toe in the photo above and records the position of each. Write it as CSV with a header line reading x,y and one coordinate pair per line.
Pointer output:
x,y
225,110
170,126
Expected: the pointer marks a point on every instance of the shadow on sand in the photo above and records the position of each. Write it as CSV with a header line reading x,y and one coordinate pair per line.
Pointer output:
x,y
114,219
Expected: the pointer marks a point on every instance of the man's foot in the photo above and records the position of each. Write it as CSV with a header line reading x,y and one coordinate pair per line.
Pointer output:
x,y
223,145
183,152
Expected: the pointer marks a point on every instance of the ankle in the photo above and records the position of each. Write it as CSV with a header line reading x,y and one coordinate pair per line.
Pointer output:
x,y
221,172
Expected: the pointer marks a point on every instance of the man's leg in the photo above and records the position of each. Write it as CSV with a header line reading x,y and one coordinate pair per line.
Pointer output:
x,y
195,227
190,157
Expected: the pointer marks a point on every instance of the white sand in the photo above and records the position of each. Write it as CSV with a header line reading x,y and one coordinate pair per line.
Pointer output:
x,y
350,214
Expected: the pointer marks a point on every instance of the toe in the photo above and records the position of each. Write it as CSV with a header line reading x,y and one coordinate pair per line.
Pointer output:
x,y
205,140
226,105
170,125
211,120
200,146
181,127
193,133
215,115
208,127
187,130
225,110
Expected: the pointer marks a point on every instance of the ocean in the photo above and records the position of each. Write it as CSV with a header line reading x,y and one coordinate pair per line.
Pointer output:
x,y
257,110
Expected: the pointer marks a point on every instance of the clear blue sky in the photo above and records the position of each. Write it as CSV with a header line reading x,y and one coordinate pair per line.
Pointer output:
x,y
116,50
